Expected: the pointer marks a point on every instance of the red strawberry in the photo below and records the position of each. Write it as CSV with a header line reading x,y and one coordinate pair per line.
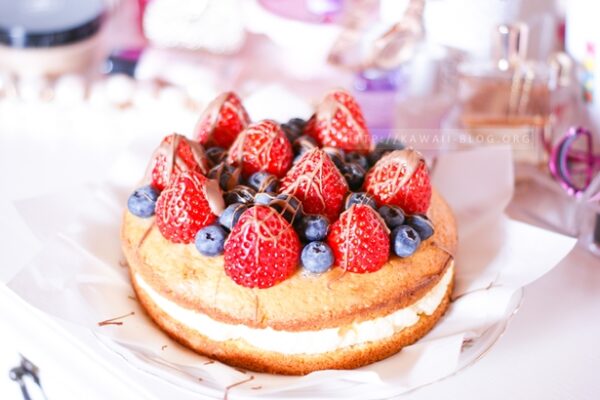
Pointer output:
x,y
222,121
339,122
182,209
262,249
400,178
317,183
262,147
176,153
360,240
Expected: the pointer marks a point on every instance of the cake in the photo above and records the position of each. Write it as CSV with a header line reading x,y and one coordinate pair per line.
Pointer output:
x,y
289,248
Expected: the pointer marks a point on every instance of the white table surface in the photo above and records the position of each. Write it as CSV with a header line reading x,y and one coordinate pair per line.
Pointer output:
x,y
550,350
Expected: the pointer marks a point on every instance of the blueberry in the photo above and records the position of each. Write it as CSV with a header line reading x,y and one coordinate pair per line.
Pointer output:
x,y
227,175
421,224
405,241
292,132
264,198
240,194
360,198
392,215
303,144
317,257
288,206
232,214
262,181
336,155
142,201
383,147
210,240
215,155
359,159
313,227
297,122
354,174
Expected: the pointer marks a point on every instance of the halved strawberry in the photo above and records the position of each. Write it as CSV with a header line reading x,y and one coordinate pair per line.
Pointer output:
x,y
182,209
360,240
317,183
339,122
262,147
262,249
176,153
400,178
222,121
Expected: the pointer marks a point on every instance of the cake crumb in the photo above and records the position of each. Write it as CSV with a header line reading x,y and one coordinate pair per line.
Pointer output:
x,y
226,394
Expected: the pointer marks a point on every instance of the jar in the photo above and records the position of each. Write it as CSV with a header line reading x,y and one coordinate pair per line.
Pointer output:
x,y
49,37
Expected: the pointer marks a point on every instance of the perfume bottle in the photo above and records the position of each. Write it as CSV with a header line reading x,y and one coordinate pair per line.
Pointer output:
x,y
506,100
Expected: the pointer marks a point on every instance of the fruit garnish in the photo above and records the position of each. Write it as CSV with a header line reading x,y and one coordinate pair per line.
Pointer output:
x,y
183,208
354,175
175,154
313,228
227,175
222,121
317,183
392,215
262,147
142,202
421,224
210,240
339,122
359,240
288,206
240,194
262,181
317,257
405,241
360,198
231,215
262,249
400,178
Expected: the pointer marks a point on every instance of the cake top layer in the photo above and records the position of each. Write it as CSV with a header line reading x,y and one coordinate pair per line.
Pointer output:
x,y
271,197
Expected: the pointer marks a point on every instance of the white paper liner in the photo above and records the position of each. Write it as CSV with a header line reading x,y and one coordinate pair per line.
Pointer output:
x,y
79,277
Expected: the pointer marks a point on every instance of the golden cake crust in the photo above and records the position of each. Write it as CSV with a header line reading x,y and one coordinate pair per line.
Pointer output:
x,y
238,353
181,274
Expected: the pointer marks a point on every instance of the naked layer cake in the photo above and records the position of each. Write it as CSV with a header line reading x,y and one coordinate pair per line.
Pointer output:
x,y
289,248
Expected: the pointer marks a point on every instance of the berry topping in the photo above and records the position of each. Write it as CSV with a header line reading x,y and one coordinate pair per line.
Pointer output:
x,y
359,240
262,249
405,241
360,198
262,147
303,144
264,198
142,201
400,178
297,122
354,174
288,206
317,183
317,257
232,214
313,227
227,175
176,153
182,208
339,122
293,128
421,224
392,215
240,194
222,121
215,155
262,181
336,155
358,158
210,240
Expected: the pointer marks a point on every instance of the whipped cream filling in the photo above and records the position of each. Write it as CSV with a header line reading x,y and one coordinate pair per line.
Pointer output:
x,y
304,342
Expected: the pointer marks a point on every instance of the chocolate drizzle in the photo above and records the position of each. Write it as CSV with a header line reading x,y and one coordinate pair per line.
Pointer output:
x,y
228,388
115,321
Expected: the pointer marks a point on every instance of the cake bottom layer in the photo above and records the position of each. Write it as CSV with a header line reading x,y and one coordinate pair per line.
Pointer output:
x,y
238,353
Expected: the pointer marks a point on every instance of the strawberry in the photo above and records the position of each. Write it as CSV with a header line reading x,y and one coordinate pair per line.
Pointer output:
x,y
262,249
317,183
182,208
360,240
262,147
176,153
339,122
222,121
400,178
